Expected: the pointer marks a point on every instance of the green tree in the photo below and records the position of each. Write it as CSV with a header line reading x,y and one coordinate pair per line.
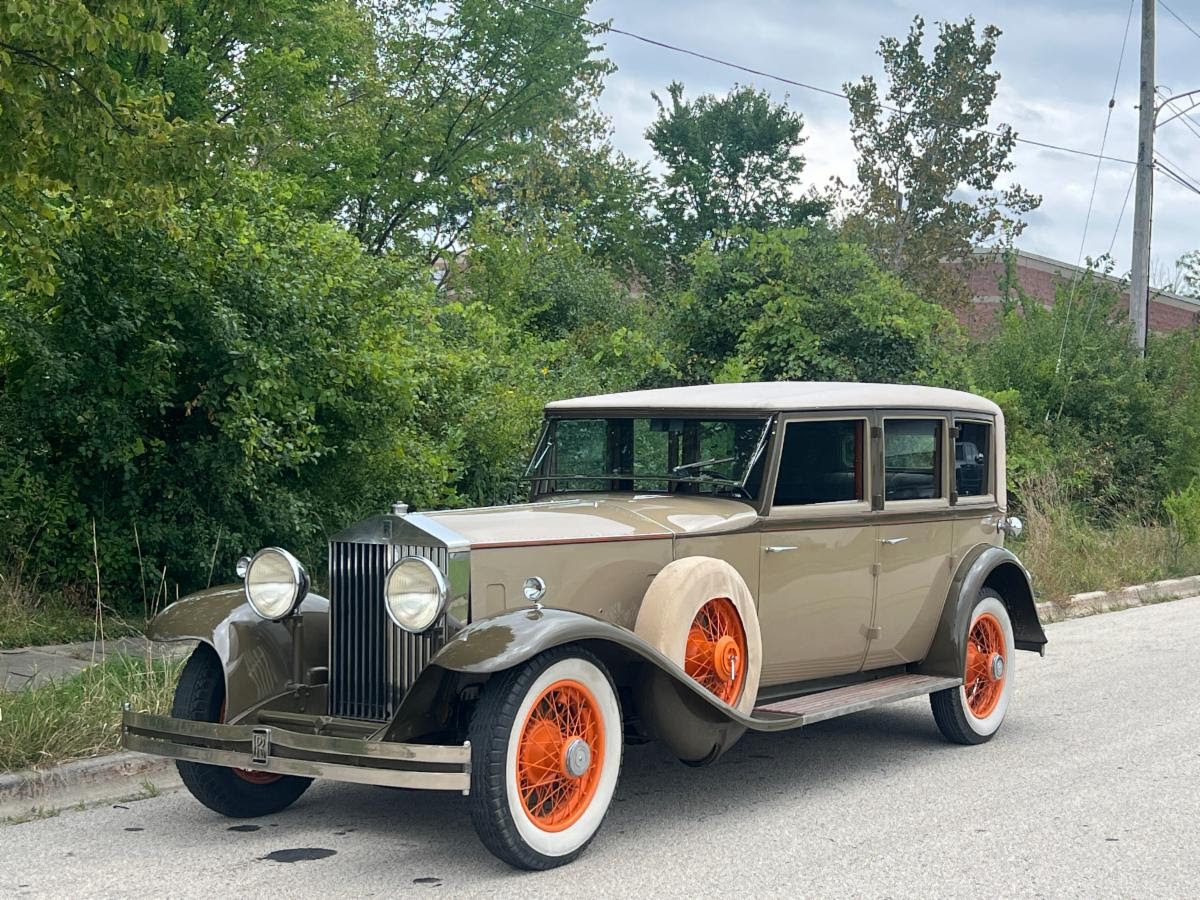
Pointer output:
x,y
732,163
1078,399
79,140
929,162
572,176
1188,277
391,118
456,89
801,304
234,378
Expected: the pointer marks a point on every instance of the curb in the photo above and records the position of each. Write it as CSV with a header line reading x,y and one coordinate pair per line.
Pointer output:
x,y
101,779
1093,602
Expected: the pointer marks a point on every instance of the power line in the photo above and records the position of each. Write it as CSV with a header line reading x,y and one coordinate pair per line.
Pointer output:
x,y
664,45
1121,214
1075,279
1179,181
1179,19
1183,180
1112,102
1178,168
1187,121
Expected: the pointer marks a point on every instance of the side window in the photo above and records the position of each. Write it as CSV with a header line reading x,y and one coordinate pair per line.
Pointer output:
x,y
822,462
973,459
912,459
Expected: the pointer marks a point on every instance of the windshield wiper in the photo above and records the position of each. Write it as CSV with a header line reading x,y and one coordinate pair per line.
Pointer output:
x,y
701,464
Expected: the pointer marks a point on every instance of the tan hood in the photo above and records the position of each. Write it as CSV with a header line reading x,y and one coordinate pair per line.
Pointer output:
x,y
595,518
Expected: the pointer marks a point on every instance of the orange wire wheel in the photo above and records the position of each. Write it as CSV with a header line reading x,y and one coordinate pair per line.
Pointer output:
x,y
987,664
716,649
560,755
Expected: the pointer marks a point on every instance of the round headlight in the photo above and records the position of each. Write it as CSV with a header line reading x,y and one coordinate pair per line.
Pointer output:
x,y
275,583
415,593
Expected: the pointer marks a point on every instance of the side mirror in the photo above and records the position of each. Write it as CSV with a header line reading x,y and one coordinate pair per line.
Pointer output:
x,y
1012,526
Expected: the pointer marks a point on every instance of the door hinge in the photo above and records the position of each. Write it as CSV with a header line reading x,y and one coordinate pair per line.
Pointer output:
x,y
872,632
875,569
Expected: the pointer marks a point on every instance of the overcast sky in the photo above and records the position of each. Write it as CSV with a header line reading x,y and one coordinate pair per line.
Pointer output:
x,y
1057,61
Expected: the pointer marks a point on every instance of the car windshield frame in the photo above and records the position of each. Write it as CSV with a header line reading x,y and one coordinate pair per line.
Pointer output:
x,y
736,474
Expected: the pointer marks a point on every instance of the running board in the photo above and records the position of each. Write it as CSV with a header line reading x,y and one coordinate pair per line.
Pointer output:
x,y
809,708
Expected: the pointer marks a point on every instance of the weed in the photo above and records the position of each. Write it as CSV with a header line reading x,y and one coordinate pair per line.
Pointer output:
x,y
80,716
1068,553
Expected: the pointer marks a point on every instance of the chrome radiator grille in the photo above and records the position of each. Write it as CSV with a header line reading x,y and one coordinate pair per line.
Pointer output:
x,y
372,663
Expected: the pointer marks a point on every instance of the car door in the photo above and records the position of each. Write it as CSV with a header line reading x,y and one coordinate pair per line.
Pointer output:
x,y
915,537
818,551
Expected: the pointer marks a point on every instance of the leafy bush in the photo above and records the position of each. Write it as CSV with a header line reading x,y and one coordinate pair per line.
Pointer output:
x,y
800,304
232,382
1077,401
1183,511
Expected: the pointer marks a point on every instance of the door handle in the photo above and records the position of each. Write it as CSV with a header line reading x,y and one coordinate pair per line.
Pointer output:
x,y
891,541
780,549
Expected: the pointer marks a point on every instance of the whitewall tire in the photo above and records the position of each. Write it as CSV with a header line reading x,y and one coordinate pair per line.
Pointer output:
x,y
546,742
974,711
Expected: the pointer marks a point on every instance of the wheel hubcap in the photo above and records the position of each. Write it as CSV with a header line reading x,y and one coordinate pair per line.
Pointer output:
x,y
577,757
715,655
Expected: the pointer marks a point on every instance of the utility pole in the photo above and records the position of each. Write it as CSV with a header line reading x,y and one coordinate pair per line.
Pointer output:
x,y
1139,279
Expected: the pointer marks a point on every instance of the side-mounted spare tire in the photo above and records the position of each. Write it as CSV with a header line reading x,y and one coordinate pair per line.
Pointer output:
x,y
699,613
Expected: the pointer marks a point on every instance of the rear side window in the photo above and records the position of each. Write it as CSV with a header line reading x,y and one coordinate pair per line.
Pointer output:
x,y
912,459
821,462
973,459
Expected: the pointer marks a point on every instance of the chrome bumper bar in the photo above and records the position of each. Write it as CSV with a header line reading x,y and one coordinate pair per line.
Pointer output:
x,y
285,752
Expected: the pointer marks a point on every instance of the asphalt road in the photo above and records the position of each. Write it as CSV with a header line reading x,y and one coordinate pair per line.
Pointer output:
x,y
1092,788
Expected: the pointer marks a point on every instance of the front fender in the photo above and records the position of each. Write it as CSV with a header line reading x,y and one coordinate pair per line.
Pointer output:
x,y
500,642
985,566
255,653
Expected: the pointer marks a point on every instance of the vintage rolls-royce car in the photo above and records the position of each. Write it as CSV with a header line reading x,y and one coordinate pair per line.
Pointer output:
x,y
693,562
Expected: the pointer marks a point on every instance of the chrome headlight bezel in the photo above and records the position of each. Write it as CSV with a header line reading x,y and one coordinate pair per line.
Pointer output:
x,y
293,580
435,589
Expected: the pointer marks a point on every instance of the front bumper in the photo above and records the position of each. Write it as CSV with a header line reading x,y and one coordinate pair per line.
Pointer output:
x,y
282,751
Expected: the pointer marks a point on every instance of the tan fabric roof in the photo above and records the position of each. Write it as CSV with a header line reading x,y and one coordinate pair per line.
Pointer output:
x,y
777,396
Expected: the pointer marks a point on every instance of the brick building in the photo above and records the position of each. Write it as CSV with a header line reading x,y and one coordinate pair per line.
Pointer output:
x,y
1038,275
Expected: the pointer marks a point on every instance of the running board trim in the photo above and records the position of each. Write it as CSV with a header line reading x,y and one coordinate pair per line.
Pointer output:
x,y
809,708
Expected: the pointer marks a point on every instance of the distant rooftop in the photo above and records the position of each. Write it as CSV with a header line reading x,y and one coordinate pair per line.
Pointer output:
x,y
779,396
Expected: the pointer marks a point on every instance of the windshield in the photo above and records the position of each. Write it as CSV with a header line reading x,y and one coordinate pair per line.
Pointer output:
x,y
668,455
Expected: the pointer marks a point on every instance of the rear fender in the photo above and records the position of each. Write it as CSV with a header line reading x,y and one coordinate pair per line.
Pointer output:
x,y
255,653
986,566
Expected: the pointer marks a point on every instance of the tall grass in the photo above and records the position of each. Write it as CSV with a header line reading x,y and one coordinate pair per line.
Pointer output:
x,y
30,617
80,716
1068,553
